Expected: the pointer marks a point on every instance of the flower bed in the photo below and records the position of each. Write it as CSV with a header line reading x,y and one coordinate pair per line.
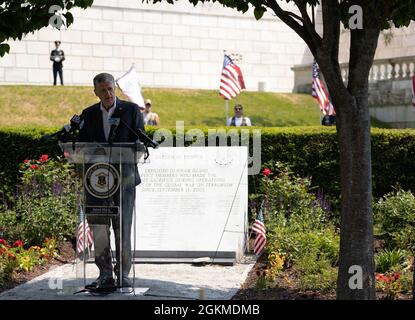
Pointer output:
x,y
15,258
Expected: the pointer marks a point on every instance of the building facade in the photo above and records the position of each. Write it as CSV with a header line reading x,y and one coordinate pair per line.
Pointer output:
x,y
174,46
390,91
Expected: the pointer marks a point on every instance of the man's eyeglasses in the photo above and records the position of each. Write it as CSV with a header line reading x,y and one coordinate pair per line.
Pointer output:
x,y
238,109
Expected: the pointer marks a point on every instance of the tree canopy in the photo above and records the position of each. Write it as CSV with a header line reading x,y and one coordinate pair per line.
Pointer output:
x,y
388,12
19,17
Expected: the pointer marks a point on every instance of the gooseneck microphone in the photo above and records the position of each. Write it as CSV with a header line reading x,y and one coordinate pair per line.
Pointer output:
x,y
142,136
76,123
114,122
146,139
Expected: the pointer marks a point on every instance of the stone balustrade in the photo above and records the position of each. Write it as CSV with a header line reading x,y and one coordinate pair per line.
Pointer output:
x,y
387,69
390,91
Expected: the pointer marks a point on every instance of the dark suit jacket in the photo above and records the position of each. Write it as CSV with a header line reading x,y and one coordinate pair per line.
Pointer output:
x,y
131,119
60,54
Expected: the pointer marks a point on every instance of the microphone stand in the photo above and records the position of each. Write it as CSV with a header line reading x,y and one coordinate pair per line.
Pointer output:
x,y
142,137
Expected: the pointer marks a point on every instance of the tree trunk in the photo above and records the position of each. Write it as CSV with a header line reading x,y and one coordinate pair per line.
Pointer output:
x,y
356,234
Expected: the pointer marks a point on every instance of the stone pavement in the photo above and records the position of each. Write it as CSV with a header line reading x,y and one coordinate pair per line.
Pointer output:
x,y
152,282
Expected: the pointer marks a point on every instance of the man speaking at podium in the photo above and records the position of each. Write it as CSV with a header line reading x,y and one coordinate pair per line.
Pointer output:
x,y
99,126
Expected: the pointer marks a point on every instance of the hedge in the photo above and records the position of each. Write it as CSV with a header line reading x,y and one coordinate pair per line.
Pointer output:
x,y
311,151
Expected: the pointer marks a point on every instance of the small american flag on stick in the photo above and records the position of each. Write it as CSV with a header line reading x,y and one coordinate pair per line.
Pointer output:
x,y
320,93
231,81
85,236
259,228
413,91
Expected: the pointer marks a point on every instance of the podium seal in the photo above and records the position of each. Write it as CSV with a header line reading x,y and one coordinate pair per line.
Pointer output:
x,y
102,180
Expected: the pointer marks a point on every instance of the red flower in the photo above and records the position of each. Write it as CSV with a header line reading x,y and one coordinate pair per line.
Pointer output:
x,y
11,256
18,243
382,277
26,161
266,172
34,166
2,250
4,242
43,158
397,276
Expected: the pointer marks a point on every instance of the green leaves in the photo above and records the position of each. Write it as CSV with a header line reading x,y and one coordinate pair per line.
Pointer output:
x,y
259,12
395,219
4,48
18,18
69,18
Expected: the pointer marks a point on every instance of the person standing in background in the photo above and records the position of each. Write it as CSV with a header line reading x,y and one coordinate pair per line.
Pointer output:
x,y
239,120
150,118
57,56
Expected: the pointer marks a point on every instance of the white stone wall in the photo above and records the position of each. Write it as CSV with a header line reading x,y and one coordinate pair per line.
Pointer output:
x,y
401,44
171,46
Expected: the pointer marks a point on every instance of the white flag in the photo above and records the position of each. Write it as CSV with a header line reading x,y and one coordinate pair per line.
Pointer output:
x,y
130,86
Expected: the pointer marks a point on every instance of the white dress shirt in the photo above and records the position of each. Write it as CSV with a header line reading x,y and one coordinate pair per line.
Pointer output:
x,y
105,116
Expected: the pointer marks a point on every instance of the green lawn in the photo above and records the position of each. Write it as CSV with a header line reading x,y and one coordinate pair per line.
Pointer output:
x,y
54,106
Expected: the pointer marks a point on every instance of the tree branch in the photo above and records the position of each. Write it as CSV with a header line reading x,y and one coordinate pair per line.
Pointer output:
x,y
302,6
331,27
292,14
328,55
288,18
308,25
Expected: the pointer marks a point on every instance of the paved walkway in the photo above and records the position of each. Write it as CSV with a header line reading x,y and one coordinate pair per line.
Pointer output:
x,y
152,282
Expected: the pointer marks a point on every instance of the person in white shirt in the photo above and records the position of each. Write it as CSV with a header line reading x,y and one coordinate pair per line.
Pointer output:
x,y
150,118
238,120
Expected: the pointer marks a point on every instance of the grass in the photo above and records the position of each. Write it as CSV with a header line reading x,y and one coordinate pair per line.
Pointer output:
x,y
54,106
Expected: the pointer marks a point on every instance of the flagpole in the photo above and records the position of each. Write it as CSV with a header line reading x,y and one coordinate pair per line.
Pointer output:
x,y
227,111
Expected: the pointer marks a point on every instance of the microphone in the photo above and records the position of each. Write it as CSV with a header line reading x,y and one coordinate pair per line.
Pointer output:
x,y
76,123
146,139
142,136
114,122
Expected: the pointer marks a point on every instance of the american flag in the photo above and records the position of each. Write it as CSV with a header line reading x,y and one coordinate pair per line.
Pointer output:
x,y
320,93
261,237
413,91
330,109
231,81
84,231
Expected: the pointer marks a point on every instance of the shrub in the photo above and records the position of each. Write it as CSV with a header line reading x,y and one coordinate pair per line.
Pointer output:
x,y
311,151
395,220
316,273
18,144
390,260
45,205
297,228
